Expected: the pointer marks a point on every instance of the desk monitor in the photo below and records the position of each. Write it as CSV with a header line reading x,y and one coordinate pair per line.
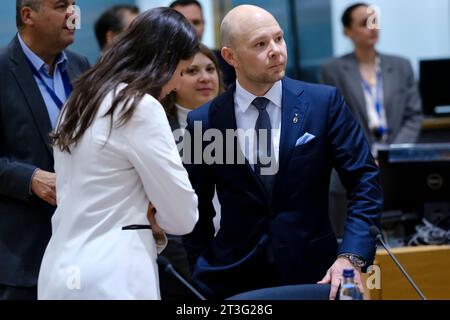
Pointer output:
x,y
416,179
435,87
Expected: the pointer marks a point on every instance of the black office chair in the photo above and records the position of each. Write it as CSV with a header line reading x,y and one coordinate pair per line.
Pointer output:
x,y
296,292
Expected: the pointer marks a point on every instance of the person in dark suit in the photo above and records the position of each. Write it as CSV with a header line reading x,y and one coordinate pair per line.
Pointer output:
x,y
35,80
275,228
380,90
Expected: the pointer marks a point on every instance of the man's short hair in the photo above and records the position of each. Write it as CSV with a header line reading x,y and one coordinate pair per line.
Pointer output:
x,y
112,20
184,3
347,16
33,4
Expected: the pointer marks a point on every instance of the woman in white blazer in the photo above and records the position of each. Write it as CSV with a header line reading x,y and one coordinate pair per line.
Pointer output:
x,y
114,154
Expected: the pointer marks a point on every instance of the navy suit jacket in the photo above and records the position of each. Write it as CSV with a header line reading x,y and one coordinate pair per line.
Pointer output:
x,y
291,230
25,225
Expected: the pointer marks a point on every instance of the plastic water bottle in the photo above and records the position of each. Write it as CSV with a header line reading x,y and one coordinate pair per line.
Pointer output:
x,y
349,290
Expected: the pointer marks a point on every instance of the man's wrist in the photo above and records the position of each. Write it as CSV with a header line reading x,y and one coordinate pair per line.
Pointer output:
x,y
355,260
30,190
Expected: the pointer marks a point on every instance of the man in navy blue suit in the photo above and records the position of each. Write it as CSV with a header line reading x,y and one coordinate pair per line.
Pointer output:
x,y
275,228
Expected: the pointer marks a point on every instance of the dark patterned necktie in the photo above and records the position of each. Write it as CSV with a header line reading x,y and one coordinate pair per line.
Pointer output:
x,y
263,143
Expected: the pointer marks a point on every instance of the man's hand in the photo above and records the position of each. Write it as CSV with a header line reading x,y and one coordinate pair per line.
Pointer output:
x,y
43,185
335,276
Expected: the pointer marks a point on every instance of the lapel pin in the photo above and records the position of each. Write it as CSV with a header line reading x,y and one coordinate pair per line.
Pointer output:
x,y
296,118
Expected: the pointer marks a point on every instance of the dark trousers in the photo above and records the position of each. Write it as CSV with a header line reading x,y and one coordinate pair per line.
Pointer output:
x,y
17,293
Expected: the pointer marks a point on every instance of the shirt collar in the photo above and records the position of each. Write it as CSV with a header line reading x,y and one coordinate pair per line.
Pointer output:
x,y
37,62
245,98
183,109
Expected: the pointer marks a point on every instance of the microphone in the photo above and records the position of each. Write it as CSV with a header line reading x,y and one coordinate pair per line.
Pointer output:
x,y
169,268
375,232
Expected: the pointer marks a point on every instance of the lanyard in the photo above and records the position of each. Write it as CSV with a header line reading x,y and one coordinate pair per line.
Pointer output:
x,y
377,98
51,92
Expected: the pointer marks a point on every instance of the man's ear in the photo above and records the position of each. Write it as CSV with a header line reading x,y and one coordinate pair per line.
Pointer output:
x,y
229,56
27,15
110,35
347,32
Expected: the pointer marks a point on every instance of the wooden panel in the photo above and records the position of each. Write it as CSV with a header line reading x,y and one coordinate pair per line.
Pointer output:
x,y
428,266
436,124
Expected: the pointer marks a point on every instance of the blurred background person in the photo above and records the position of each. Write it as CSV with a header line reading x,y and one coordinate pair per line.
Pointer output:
x,y
380,90
193,11
112,23
201,82
36,75
114,153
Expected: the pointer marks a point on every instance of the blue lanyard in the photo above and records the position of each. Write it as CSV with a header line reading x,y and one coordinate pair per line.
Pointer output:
x,y
51,92
367,88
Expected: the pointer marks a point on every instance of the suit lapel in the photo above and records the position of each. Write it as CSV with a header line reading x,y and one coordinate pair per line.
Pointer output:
x,y
294,111
223,117
71,73
222,112
389,85
354,79
30,90
74,71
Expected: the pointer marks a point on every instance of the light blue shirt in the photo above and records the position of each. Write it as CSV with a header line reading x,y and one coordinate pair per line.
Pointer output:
x,y
55,83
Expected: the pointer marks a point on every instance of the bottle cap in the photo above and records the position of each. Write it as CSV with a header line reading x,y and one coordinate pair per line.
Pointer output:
x,y
349,273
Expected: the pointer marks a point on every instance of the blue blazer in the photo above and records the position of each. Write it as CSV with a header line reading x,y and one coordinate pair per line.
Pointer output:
x,y
25,220
287,237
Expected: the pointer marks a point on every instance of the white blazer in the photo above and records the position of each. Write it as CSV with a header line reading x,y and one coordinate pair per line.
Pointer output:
x,y
104,184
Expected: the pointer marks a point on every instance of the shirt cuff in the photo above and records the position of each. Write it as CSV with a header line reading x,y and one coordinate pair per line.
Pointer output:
x,y
30,191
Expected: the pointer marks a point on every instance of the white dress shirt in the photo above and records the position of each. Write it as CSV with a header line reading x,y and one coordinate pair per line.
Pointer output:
x,y
247,114
182,114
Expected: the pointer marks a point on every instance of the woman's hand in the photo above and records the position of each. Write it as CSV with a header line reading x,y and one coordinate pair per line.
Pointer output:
x,y
158,233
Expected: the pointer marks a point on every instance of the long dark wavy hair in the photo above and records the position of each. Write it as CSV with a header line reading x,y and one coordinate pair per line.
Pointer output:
x,y
145,57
